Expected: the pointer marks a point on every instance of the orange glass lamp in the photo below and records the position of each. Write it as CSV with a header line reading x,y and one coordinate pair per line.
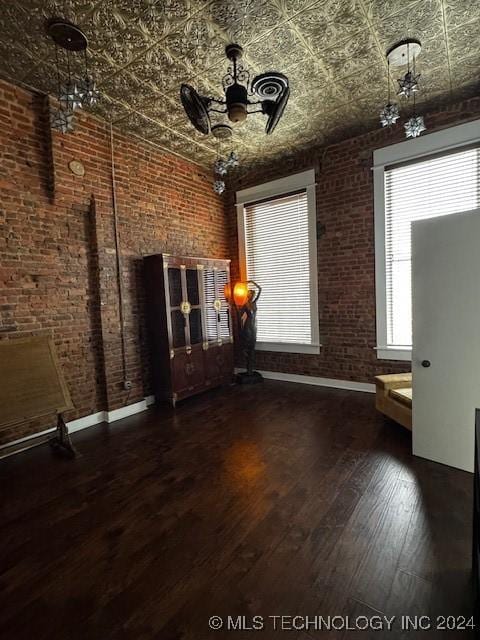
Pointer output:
x,y
243,297
240,293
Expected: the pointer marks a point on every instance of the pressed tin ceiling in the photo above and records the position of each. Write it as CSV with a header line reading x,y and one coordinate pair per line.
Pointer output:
x,y
333,52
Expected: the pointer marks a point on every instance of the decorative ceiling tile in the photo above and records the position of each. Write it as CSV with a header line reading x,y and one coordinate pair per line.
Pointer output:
x,y
366,83
158,69
464,39
199,44
378,10
353,56
244,21
459,12
466,72
272,51
423,21
327,24
333,52
128,88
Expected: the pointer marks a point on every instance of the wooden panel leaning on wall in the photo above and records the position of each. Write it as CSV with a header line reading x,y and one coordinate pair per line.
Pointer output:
x,y
33,386
190,324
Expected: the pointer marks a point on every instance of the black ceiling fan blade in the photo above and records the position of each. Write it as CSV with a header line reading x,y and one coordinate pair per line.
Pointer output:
x,y
269,85
275,109
196,108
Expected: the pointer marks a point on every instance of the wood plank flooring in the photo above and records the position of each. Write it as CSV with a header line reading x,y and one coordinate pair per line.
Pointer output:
x,y
277,499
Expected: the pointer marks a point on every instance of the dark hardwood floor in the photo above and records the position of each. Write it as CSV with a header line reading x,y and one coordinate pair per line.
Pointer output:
x,y
278,499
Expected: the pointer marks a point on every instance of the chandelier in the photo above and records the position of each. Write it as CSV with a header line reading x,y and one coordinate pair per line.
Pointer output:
x,y
72,93
401,54
267,94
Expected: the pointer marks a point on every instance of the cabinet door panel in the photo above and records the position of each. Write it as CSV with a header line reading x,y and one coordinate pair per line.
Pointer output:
x,y
175,286
210,312
219,362
188,371
195,319
193,295
178,329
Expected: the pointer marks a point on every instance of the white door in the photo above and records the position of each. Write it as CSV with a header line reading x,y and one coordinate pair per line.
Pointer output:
x,y
446,337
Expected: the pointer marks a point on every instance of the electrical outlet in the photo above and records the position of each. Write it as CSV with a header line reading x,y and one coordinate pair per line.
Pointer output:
x,y
127,385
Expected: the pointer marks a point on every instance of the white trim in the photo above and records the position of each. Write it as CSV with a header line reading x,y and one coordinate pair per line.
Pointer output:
x,y
438,141
444,140
313,260
304,180
31,437
242,256
393,353
124,412
288,347
348,385
87,421
277,187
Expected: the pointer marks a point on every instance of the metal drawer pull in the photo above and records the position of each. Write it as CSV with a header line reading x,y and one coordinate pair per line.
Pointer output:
x,y
189,368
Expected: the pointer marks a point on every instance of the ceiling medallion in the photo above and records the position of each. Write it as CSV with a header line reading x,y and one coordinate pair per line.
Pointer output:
x,y
402,54
72,93
271,90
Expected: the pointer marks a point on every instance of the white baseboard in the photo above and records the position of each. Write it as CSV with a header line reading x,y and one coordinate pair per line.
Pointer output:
x,y
86,421
124,412
348,385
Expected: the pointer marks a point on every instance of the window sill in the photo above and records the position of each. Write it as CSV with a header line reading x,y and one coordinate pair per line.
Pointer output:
x,y
393,353
287,347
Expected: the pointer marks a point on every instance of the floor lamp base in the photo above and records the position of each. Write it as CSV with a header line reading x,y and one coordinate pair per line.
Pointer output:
x,y
249,378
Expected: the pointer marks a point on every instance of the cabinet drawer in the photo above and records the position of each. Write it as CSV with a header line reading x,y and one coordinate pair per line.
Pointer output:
x,y
188,371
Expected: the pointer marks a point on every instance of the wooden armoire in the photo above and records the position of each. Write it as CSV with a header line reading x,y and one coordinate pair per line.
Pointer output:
x,y
190,324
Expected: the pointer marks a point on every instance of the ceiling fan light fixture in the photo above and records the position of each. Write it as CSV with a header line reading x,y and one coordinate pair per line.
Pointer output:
x,y
237,112
222,131
267,93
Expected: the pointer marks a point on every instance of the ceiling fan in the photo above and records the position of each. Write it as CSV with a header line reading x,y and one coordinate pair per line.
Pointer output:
x,y
267,93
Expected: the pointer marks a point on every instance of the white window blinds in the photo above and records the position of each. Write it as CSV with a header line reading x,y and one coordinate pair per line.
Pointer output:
x,y
433,187
277,258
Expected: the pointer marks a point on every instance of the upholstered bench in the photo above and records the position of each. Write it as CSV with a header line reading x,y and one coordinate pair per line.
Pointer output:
x,y
394,397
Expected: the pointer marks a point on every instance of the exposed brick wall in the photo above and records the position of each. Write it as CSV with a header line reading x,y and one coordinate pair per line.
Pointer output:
x,y
57,247
346,251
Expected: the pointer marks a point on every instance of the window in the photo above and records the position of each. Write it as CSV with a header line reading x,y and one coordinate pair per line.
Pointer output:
x,y
441,183
277,233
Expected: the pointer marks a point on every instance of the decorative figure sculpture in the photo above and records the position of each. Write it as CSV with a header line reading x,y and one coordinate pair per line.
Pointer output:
x,y
245,303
